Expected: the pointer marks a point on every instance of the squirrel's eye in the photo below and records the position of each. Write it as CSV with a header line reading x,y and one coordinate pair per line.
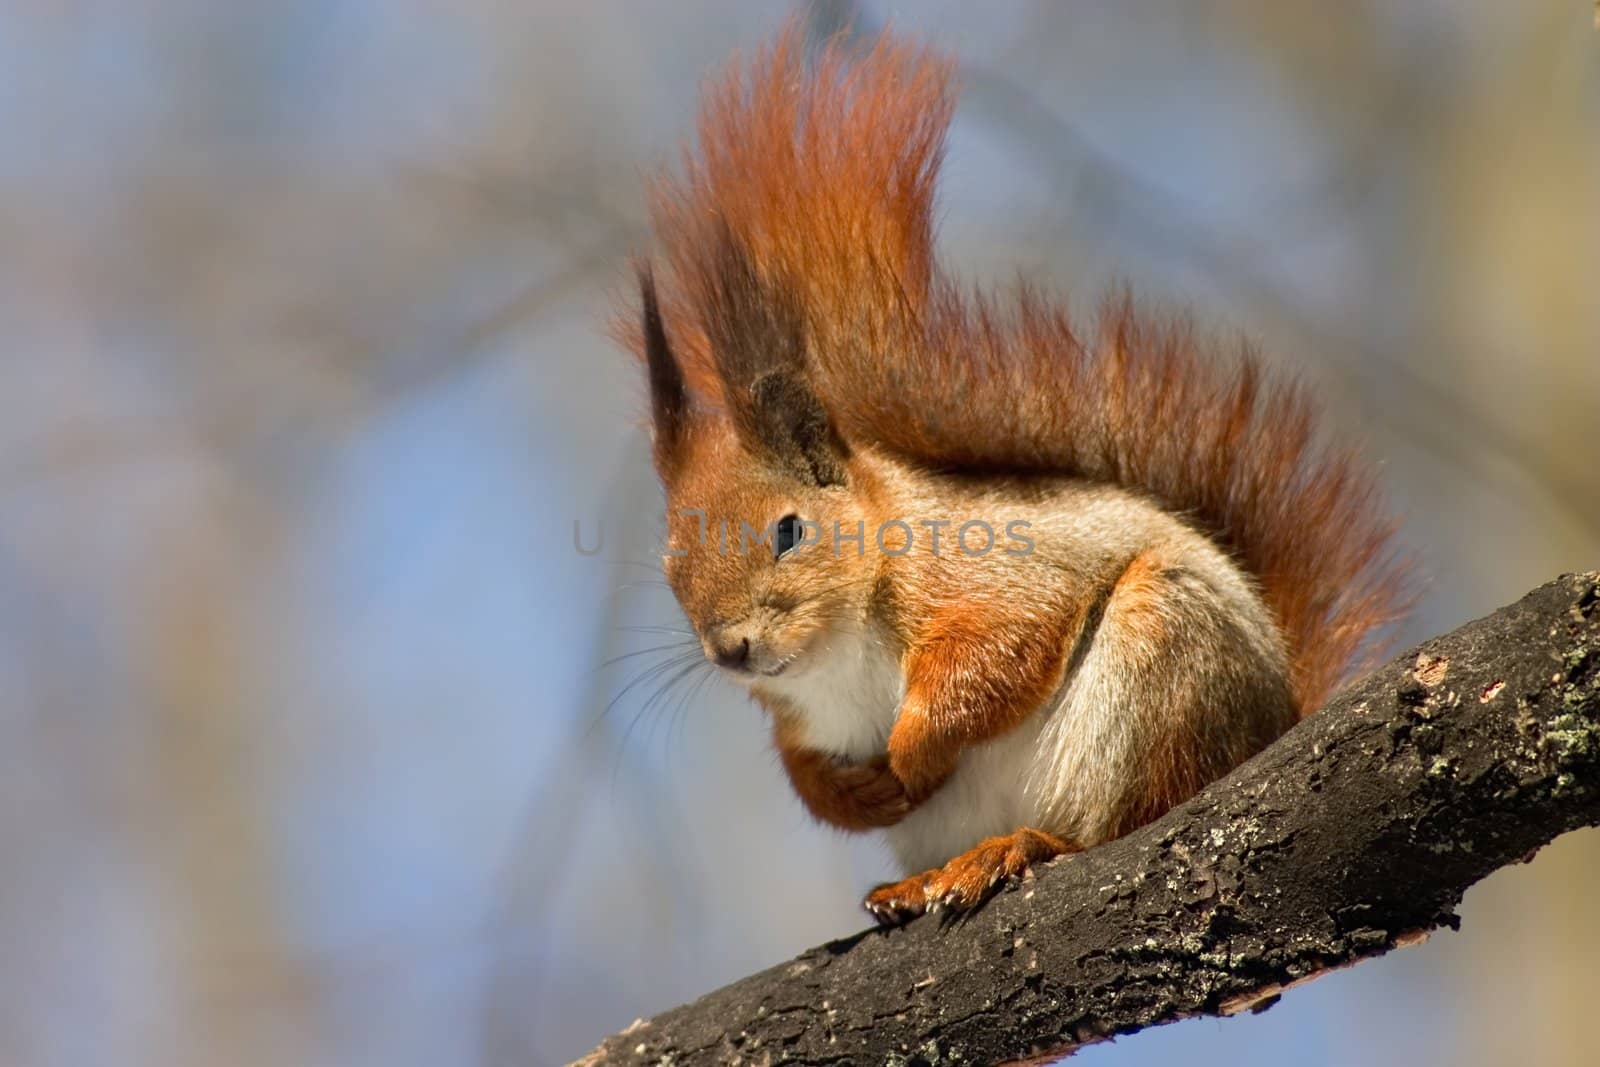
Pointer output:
x,y
786,536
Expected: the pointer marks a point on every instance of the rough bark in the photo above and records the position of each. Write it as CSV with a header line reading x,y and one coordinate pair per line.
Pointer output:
x,y
1356,833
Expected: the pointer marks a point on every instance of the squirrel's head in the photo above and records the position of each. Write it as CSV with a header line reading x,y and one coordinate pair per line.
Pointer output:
x,y
757,490
793,242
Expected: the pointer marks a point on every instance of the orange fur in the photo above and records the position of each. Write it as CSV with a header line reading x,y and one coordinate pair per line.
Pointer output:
x,y
967,879
851,796
1175,766
1138,593
973,672
814,179
808,186
1176,763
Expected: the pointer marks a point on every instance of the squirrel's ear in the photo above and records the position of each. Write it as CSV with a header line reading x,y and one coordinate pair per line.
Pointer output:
x,y
790,420
669,397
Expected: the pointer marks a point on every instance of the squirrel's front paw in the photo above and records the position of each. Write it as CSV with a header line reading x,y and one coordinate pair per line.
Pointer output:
x,y
851,796
870,792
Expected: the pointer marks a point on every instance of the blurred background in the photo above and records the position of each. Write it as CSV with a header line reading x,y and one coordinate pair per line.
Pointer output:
x,y
315,745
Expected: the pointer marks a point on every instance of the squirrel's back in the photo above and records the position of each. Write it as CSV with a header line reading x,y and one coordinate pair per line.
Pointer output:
x,y
809,201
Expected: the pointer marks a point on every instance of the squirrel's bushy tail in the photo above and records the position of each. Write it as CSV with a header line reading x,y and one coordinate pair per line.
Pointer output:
x,y
1139,402
814,179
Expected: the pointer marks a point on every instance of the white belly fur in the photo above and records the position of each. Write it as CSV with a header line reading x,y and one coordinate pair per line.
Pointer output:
x,y
849,690
987,795
850,694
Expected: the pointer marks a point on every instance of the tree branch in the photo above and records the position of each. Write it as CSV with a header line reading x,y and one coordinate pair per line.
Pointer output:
x,y
1357,832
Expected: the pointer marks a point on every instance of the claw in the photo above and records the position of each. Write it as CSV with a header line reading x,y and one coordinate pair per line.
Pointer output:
x,y
967,880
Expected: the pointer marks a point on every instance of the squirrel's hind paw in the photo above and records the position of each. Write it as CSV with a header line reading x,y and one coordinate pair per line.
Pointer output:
x,y
967,880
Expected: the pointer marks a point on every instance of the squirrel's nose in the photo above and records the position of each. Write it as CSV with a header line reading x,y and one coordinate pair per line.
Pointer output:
x,y
730,653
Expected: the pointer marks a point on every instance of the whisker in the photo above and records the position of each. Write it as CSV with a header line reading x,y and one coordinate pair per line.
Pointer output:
x,y
639,583
648,674
685,702
672,646
814,592
653,701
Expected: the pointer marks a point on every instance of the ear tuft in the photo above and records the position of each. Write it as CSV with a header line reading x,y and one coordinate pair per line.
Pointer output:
x,y
669,398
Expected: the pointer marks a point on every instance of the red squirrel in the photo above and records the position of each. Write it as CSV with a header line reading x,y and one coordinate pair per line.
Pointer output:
x,y
1176,567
